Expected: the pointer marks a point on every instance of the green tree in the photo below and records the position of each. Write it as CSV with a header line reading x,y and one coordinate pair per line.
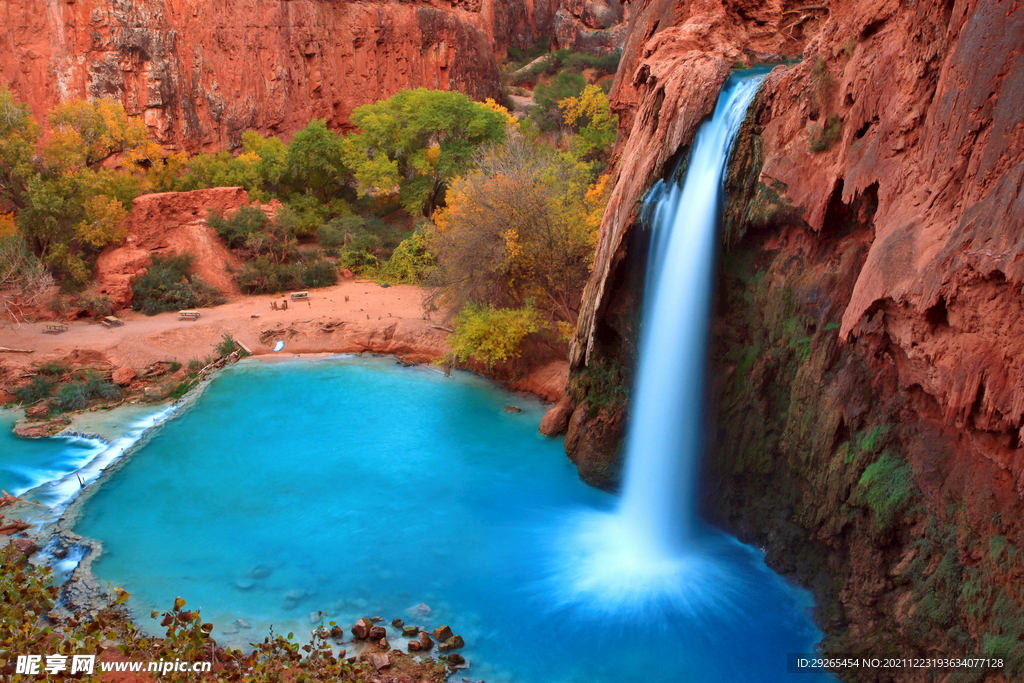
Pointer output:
x,y
314,161
416,142
18,135
566,84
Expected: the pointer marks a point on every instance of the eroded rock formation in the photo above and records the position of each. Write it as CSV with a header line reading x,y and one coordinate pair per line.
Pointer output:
x,y
170,223
202,73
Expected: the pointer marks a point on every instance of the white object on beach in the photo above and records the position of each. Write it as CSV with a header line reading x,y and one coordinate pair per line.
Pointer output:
x,y
279,345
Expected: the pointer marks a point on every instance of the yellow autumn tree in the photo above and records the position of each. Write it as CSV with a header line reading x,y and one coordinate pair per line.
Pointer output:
x,y
591,116
85,134
522,225
102,224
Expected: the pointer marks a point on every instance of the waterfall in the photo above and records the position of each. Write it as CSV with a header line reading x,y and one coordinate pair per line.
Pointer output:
x,y
645,554
666,425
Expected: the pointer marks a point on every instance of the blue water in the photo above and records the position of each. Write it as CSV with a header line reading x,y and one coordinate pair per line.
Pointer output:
x,y
365,488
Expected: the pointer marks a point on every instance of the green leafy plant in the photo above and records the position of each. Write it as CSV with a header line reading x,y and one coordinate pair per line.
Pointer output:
x,y
168,286
824,137
37,389
492,335
887,487
226,346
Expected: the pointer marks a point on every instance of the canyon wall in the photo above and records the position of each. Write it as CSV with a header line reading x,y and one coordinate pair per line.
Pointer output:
x,y
200,73
867,360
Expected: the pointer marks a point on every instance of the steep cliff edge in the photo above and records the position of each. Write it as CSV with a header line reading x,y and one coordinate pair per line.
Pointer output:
x,y
867,352
201,73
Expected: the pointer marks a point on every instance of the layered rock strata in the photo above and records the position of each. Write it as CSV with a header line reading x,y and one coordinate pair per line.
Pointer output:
x,y
202,73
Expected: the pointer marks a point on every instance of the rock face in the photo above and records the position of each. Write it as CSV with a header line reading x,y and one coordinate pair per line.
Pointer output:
x,y
594,26
167,223
868,356
200,74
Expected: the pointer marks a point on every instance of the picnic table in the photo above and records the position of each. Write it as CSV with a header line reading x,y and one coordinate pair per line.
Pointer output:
x,y
111,321
296,296
56,328
188,315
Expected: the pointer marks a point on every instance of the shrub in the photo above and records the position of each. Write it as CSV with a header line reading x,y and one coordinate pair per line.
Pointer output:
x,y
318,273
492,334
54,367
409,263
263,276
567,84
39,388
99,388
822,139
98,306
887,486
71,397
226,346
237,228
167,286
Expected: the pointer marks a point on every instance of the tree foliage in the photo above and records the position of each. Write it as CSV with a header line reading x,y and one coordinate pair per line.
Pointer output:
x,y
18,135
591,115
492,335
522,225
416,142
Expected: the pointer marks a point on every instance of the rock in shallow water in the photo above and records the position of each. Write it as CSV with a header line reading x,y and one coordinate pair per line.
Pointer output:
x,y
361,629
453,643
443,633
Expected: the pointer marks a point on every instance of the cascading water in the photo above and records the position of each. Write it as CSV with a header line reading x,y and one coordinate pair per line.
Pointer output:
x,y
663,444
645,552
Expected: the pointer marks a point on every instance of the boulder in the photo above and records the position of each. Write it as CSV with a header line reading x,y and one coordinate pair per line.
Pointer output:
x,y
414,646
410,631
361,629
442,633
123,376
452,643
425,642
456,660
25,546
377,632
380,661
346,274
556,420
397,623
38,410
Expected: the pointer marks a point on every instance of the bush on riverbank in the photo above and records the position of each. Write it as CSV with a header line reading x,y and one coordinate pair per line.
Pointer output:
x,y
168,286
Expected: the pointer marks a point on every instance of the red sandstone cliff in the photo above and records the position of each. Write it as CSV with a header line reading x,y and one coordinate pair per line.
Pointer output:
x,y
929,104
201,73
879,202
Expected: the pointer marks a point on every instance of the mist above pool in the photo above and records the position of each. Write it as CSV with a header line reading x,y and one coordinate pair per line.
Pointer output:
x,y
361,487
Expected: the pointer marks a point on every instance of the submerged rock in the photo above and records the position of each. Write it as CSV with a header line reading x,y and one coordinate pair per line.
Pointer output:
x,y
513,409
397,623
453,643
420,610
410,631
